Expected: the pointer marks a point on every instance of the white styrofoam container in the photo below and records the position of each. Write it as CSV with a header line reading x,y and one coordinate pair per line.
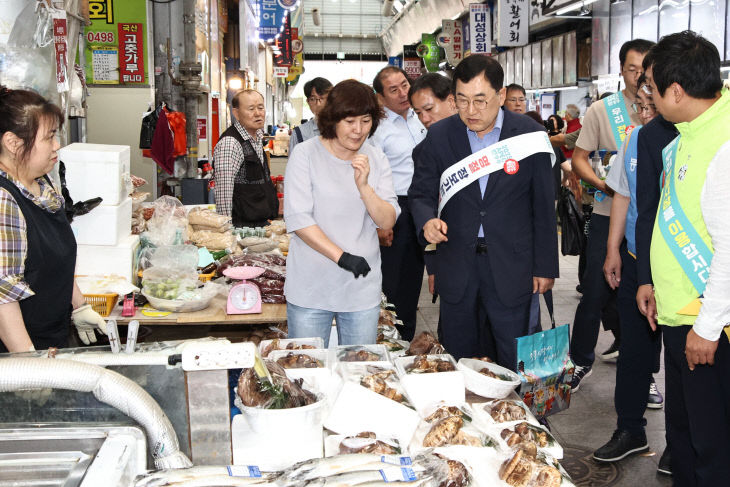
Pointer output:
x,y
108,259
315,342
261,443
428,389
487,386
104,225
320,380
94,170
359,409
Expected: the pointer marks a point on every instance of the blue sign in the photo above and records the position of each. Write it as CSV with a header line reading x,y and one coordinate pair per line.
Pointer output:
x,y
271,18
395,61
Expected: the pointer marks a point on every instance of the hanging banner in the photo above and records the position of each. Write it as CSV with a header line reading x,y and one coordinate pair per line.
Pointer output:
x,y
297,48
283,43
451,39
466,30
411,61
395,61
115,49
60,37
430,52
480,21
271,18
513,22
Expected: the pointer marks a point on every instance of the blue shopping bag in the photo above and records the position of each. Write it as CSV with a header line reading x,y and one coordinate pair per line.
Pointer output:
x,y
545,368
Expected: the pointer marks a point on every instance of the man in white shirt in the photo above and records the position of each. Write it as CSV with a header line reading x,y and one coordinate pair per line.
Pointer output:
x,y
402,256
316,92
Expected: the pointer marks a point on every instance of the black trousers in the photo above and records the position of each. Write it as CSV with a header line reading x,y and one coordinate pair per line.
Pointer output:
x,y
402,268
639,353
598,303
698,412
480,324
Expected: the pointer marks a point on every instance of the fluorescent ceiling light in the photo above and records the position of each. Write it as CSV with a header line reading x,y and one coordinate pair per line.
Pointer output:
x,y
573,6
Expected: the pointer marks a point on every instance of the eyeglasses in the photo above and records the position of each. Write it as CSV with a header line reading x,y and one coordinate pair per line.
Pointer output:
x,y
633,72
638,107
316,101
463,103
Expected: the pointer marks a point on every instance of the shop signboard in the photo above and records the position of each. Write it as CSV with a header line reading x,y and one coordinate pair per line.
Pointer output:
x,y
297,65
271,17
60,36
283,44
281,71
513,22
411,61
452,40
395,61
480,22
116,51
430,52
466,30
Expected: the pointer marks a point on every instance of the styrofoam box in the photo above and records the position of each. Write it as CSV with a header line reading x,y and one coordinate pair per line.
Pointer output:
x,y
108,259
315,342
104,225
427,389
319,380
359,409
94,170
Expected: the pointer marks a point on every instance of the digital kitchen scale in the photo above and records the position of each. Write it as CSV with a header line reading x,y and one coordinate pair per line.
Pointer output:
x,y
244,298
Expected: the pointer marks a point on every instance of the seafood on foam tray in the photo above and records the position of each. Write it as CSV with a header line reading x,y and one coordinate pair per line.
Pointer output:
x,y
280,393
447,427
384,382
425,344
524,470
367,442
362,353
505,410
277,345
422,364
299,361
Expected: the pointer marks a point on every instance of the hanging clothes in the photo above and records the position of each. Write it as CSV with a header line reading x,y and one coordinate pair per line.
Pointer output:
x,y
163,150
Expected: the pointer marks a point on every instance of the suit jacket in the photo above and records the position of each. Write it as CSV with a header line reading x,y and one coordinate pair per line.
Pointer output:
x,y
517,213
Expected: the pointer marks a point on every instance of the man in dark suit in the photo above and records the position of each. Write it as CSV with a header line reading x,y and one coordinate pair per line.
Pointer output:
x,y
497,237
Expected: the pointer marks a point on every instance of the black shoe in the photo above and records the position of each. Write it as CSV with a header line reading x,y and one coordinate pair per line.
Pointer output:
x,y
579,289
665,463
622,444
580,374
611,352
656,400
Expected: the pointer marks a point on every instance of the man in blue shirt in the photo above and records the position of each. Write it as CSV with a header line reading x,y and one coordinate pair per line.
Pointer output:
x,y
401,254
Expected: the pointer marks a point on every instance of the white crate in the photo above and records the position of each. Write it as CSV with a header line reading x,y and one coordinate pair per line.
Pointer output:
x,y
97,170
108,259
429,389
104,225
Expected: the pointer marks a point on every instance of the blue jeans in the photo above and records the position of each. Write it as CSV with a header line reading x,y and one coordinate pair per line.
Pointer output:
x,y
353,327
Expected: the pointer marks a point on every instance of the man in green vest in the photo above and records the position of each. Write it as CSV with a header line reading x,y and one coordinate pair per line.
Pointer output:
x,y
690,256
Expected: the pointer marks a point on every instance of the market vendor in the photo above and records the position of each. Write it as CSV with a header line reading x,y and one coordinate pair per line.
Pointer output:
x,y
243,187
37,246
339,191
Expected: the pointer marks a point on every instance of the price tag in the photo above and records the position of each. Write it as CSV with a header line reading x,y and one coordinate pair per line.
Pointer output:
x,y
396,460
395,474
249,471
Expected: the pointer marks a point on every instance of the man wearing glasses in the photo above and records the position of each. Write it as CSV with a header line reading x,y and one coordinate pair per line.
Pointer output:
x,y
516,99
316,92
604,128
496,232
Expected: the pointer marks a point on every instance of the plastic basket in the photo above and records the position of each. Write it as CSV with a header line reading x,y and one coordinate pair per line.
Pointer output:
x,y
102,303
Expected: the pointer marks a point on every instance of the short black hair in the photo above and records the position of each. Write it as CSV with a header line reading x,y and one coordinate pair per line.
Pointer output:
x,y
477,64
321,85
439,84
378,81
688,59
515,86
641,46
641,80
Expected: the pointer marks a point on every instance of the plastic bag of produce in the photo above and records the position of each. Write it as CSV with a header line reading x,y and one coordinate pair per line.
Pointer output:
x,y
207,218
168,224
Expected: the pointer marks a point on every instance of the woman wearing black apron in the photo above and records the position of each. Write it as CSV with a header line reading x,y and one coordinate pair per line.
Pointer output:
x,y
38,296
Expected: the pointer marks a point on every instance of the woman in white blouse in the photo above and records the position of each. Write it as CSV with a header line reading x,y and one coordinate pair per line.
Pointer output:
x,y
338,192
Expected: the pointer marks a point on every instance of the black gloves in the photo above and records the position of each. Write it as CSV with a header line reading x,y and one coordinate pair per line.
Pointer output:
x,y
355,264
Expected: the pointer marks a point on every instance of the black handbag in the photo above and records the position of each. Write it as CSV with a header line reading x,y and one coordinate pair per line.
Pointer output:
x,y
572,223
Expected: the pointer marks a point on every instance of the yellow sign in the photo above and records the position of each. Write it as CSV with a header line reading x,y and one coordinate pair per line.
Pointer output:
x,y
297,67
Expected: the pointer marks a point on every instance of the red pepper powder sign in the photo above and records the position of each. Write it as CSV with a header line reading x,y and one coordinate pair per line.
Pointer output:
x,y
131,59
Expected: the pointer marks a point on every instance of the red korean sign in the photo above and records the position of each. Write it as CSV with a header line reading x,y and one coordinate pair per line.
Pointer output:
x,y
131,58
60,34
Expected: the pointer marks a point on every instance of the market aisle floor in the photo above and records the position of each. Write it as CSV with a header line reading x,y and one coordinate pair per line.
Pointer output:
x,y
591,418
